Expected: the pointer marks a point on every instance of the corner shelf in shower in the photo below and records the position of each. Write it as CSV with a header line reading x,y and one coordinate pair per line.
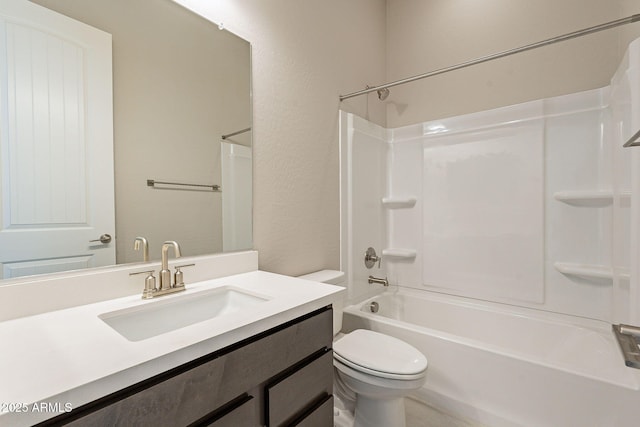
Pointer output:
x,y
399,253
399,202
590,271
589,198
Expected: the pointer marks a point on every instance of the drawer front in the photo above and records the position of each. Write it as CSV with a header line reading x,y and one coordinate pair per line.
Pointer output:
x,y
205,384
292,396
320,416
243,415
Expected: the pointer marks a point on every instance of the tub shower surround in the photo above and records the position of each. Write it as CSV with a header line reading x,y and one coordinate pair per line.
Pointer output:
x,y
532,209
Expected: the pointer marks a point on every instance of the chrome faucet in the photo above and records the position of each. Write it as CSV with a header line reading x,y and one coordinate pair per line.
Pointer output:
x,y
165,273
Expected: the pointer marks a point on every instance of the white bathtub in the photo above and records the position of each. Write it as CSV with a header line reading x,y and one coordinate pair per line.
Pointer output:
x,y
506,366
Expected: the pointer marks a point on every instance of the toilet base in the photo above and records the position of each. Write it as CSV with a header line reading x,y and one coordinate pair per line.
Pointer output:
x,y
371,412
379,402
342,415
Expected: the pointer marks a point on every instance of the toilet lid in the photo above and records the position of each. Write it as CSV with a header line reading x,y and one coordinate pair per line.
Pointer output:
x,y
379,354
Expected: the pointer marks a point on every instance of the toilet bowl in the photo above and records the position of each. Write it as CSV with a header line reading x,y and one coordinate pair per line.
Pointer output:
x,y
373,371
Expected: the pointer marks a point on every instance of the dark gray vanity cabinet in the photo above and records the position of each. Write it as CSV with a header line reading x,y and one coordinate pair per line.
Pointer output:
x,y
281,377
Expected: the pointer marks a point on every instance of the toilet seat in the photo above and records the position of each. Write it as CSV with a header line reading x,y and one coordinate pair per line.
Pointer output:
x,y
380,355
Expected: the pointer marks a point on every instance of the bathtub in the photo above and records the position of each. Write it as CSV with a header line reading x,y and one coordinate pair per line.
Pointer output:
x,y
499,365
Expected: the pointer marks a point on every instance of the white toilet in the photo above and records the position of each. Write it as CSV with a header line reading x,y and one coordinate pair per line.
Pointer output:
x,y
377,369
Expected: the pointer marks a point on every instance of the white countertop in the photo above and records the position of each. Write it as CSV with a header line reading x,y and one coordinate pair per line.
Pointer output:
x,y
69,357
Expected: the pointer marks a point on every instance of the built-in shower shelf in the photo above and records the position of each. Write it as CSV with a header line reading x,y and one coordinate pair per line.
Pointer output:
x,y
589,198
399,202
590,271
399,253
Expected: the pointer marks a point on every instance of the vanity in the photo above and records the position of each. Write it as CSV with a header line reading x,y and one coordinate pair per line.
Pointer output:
x,y
261,355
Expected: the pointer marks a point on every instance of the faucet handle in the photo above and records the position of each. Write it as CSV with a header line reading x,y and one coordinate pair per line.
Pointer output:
x,y
184,265
370,258
142,272
149,283
178,276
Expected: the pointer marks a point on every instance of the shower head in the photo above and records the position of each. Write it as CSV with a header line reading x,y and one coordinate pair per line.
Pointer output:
x,y
382,93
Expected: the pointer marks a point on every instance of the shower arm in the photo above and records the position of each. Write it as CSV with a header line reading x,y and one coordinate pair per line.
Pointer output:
x,y
569,36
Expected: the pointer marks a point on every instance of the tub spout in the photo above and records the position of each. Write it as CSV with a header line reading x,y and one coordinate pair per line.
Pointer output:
x,y
384,281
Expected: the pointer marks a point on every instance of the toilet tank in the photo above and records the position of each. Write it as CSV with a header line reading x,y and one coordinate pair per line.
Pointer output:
x,y
332,277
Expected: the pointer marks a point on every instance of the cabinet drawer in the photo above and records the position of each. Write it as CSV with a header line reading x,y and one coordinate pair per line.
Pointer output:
x,y
320,416
290,397
245,414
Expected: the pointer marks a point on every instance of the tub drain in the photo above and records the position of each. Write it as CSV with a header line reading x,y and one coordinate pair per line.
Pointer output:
x,y
374,307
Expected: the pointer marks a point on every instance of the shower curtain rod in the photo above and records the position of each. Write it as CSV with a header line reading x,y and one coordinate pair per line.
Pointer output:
x,y
579,33
229,135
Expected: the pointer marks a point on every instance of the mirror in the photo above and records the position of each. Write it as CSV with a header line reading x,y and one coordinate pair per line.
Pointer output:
x,y
180,84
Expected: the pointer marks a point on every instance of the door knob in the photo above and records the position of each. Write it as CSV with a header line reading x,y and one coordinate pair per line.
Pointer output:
x,y
105,238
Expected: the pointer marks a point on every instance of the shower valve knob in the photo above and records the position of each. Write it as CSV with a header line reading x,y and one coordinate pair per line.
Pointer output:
x,y
370,258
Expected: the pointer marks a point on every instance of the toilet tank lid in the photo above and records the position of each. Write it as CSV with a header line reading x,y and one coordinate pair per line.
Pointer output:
x,y
332,277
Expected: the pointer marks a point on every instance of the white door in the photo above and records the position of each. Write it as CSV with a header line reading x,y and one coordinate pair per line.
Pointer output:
x,y
56,142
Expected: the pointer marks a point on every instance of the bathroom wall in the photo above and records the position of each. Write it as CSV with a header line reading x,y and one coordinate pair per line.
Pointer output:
x,y
304,54
426,35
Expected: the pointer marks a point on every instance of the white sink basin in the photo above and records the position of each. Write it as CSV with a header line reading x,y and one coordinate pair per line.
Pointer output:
x,y
165,315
